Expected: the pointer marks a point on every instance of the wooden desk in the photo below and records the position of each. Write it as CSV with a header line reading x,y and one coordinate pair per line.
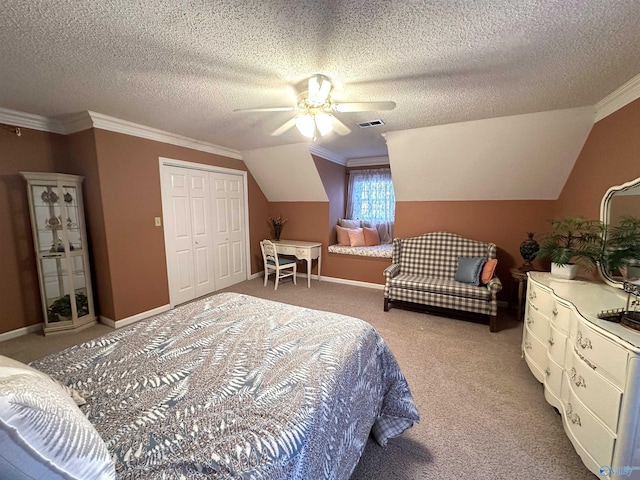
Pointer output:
x,y
519,276
308,251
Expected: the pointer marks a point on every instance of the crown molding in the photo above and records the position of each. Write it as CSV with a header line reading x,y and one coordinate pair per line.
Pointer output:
x,y
327,155
78,122
30,120
617,99
368,161
117,125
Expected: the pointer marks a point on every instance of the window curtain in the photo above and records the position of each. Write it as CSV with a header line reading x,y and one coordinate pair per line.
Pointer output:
x,y
370,196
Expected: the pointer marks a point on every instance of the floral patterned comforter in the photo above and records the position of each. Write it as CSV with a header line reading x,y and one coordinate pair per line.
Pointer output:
x,y
232,386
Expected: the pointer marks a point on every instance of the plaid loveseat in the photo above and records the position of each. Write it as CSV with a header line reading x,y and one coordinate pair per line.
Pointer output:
x,y
422,271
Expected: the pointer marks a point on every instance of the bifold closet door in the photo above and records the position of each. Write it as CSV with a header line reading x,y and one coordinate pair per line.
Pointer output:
x,y
227,202
188,226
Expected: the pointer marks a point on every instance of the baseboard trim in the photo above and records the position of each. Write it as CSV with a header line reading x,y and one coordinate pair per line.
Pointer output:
x,y
19,332
134,318
355,283
256,275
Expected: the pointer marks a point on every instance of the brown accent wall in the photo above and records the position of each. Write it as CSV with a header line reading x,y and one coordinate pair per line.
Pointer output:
x,y
129,173
33,151
610,156
82,160
306,221
503,222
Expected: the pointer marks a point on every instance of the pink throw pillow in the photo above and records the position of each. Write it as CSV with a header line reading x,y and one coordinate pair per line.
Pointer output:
x,y
487,271
356,236
371,236
343,235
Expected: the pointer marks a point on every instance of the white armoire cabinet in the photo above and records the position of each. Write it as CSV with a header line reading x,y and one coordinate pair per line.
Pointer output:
x,y
60,241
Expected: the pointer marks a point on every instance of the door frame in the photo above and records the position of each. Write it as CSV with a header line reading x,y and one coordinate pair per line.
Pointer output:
x,y
172,162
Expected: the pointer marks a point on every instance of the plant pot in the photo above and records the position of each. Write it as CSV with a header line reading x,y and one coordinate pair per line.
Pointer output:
x,y
568,271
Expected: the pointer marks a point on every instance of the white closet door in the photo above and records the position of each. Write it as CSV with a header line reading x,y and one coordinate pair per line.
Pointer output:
x,y
187,219
179,240
201,232
227,194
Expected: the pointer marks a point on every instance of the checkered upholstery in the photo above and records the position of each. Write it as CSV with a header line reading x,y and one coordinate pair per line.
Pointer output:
x,y
422,271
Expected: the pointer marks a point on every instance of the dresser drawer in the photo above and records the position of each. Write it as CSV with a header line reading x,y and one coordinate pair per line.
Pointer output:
x,y
302,253
553,378
286,250
560,316
537,324
557,344
596,393
540,299
536,354
586,429
601,354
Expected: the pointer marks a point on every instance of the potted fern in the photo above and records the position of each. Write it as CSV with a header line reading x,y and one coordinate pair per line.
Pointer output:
x,y
573,242
622,248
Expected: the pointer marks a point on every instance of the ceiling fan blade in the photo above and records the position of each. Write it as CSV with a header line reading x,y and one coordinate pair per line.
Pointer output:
x,y
339,127
267,109
284,127
363,106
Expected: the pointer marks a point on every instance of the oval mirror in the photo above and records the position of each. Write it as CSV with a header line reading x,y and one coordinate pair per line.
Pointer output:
x,y
621,207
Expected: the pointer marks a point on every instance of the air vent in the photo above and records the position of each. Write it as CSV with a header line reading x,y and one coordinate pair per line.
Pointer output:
x,y
372,123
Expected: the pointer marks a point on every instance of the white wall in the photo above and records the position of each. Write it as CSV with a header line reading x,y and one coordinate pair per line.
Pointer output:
x,y
520,157
286,173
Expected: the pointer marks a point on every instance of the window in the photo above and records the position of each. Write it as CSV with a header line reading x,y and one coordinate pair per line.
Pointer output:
x,y
370,197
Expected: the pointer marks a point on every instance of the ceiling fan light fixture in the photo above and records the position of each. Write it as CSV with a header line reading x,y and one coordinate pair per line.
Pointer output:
x,y
324,122
306,125
318,90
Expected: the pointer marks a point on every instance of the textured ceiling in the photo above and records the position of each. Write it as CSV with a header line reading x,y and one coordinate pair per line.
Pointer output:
x,y
185,66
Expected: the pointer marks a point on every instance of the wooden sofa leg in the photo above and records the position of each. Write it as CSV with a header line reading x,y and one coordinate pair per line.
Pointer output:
x,y
386,304
493,323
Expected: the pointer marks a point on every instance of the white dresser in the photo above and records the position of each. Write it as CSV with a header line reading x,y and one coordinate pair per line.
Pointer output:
x,y
590,369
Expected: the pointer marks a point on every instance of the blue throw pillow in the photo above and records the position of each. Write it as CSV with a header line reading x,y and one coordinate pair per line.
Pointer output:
x,y
469,269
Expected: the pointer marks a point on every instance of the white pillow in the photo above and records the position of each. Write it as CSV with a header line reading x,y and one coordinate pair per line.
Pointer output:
x,y
43,433
349,223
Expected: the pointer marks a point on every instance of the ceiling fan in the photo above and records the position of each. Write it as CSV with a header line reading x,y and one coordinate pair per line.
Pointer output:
x,y
315,110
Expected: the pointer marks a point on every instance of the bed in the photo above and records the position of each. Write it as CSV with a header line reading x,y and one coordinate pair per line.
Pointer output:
x,y
233,386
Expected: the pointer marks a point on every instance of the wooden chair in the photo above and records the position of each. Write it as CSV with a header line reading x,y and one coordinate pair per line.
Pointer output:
x,y
280,266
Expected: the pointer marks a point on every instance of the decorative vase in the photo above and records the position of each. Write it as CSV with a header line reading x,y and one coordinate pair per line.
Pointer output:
x,y
529,249
568,271
277,230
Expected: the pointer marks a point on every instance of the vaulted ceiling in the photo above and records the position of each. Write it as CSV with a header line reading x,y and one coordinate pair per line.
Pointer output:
x,y
185,66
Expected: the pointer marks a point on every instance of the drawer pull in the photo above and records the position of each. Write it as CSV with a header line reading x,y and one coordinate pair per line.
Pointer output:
x,y
527,345
554,312
574,417
551,342
547,371
586,345
529,321
584,359
578,380
532,296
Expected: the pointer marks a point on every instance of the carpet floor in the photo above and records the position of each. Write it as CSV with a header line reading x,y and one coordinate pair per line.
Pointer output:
x,y
483,414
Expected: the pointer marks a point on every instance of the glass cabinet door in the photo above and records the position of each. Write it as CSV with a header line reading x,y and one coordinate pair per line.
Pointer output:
x,y
47,210
60,247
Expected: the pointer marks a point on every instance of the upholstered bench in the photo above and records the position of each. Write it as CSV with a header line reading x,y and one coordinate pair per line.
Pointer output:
x,y
423,271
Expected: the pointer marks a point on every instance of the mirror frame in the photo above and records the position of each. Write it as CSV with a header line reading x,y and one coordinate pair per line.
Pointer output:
x,y
604,217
